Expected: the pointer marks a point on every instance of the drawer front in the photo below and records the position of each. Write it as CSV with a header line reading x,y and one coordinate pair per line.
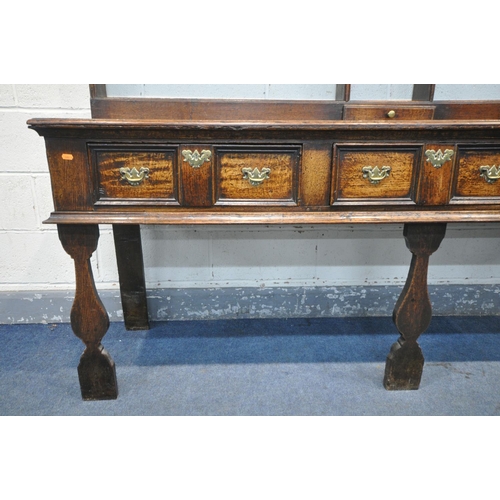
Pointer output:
x,y
387,112
144,175
375,175
196,175
257,175
477,176
436,173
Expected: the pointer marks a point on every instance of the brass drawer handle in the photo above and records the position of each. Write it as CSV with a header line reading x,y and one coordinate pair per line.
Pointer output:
x,y
490,174
255,176
438,158
375,174
195,159
391,114
133,176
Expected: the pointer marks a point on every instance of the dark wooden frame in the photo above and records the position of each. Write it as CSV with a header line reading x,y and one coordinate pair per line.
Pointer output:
x,y
249,109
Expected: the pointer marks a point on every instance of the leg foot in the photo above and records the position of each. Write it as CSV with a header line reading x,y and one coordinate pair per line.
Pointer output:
x,y
404,366
89,319
413,310
97,375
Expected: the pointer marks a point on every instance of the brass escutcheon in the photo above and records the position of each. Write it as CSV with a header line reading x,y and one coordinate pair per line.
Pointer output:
x,y
255,176
195,159
490,174
375,174
133,176
438,158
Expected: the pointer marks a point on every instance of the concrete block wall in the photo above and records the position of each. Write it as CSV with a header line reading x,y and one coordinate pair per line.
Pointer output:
x,y
178,260
30,257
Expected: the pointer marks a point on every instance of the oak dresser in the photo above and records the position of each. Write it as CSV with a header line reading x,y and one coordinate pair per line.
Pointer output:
x,y
420,163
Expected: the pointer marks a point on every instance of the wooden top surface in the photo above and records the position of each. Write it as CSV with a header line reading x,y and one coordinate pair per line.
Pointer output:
x,y
97,124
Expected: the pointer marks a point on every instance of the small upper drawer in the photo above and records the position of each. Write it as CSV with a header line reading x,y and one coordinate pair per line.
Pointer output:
x,y
387,112
145,174
257,175
374,174
477,174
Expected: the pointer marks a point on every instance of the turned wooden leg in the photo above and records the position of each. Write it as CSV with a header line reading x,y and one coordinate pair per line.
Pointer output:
x,y
413,311
89,319
129,258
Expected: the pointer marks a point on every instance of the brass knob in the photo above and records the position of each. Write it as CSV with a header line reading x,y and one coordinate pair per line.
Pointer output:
x,y
391,114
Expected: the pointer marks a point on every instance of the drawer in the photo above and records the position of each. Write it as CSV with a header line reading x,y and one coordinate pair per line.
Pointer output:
x,y
145,175
436,173
387,112
196,175
374,174
477,176
257,175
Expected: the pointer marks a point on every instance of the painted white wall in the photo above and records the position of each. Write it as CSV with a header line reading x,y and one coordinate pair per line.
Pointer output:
x,y
359,92
32,258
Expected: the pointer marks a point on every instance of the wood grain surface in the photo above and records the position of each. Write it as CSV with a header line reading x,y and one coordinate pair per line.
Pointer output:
x,y
352,185
469,183
280,186
159,184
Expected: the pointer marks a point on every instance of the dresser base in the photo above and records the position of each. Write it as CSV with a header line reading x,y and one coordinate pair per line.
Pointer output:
x,y
414,171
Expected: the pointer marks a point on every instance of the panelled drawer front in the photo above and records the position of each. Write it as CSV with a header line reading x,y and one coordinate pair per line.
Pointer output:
x,y
257,175
142,174
196,175
375,175
387,112
477,176
435,179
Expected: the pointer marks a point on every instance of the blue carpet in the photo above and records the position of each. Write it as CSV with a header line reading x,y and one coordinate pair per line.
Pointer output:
x,y
330,366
